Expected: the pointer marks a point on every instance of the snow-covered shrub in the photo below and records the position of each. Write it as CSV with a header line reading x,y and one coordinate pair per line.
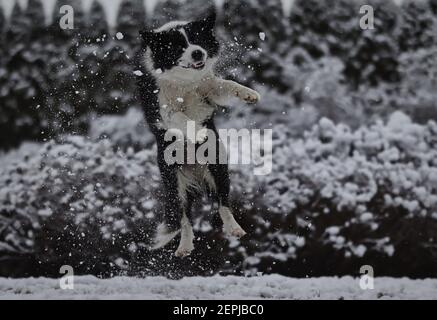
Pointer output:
x,y
418,26
125,131
78,202
337,195
23,81
256,46
131,18
337,198
417,93
53,81
331,27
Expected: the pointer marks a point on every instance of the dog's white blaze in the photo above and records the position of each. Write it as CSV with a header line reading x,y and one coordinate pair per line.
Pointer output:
x,y
182,30
171,25
191,47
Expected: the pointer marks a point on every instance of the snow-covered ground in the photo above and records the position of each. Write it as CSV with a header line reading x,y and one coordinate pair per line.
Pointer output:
x,y
229,288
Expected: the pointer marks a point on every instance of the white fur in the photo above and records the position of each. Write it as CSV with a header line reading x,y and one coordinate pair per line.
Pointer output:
x,y
170,25
163,237
194,177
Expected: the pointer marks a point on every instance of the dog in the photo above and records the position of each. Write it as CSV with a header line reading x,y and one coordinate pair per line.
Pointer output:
x,y
180,87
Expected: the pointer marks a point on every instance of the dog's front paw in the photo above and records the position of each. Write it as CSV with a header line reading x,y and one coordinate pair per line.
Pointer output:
x,y
248,95
201,135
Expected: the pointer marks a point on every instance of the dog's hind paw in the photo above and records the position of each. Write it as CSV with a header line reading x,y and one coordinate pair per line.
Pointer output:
x,y
236,232
183,252
233,229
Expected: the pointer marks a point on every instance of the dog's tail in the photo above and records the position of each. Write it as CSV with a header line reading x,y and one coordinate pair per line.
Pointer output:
x,y
163,237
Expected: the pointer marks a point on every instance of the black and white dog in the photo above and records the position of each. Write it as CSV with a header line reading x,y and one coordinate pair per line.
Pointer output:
x,y
180,58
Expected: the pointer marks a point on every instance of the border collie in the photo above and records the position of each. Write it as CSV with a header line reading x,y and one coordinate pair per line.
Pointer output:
x,y
180,86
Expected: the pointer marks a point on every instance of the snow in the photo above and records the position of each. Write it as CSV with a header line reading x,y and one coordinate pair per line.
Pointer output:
x,y
14,156
262,36
138,73
119,36
229,288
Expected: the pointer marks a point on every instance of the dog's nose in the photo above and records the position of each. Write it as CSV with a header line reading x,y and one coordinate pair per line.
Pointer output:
x,y
197,55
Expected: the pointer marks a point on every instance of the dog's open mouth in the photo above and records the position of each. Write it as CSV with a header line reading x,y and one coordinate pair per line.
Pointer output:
x,y
196,66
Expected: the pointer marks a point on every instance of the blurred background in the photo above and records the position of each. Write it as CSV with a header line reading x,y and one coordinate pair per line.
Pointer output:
x,y
353,114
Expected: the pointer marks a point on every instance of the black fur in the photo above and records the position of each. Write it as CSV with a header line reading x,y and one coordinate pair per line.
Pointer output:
x,y
167,47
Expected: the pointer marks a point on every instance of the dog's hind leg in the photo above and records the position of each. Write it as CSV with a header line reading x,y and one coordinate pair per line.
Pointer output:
x,y
222,183
173,206
186,245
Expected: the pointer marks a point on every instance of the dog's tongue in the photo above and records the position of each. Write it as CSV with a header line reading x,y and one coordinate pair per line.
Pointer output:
x,y
198,65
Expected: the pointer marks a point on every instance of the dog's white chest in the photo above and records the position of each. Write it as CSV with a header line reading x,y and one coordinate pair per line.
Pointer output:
x,y
188,100
197,107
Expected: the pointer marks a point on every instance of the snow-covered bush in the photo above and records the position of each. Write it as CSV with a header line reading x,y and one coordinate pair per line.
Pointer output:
x,y
22,77
418,26
256,47
125,131
53,81
337,198
337,195
131,18
417,93
78,201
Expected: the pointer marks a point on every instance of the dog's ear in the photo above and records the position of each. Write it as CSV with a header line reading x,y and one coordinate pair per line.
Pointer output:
x,y
211,18
147,36
209,21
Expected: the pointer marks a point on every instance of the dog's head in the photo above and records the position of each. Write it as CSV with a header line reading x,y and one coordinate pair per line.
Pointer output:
x,y
182,50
